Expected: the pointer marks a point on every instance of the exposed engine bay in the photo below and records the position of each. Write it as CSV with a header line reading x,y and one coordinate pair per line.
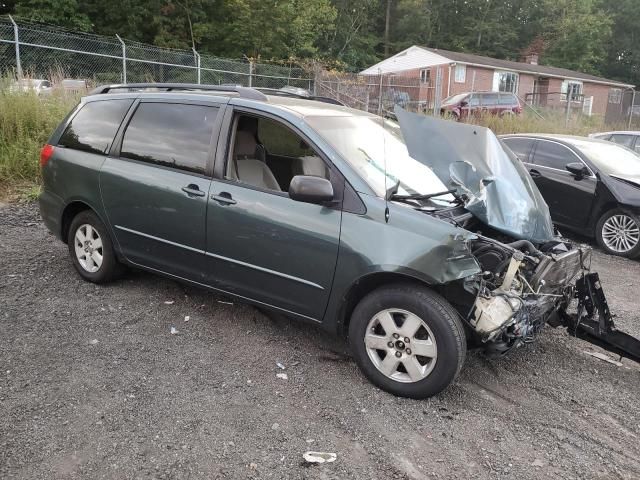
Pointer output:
x,y
524,286
520,288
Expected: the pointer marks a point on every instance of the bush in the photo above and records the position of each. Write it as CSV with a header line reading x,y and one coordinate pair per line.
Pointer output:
x,y
26,121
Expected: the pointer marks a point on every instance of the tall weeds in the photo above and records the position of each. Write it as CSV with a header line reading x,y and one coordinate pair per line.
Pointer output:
x,y
26,121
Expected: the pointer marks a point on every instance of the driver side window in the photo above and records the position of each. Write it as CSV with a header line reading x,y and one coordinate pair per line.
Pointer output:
x,y
267,154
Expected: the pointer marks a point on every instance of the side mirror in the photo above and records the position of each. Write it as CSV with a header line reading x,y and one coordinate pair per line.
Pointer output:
x,y
578,169
310,189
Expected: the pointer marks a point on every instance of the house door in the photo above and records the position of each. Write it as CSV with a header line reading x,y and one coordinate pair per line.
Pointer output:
x,y
540,91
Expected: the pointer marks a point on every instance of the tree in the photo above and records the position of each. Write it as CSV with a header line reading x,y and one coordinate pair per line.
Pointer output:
x,y
576,34
64,13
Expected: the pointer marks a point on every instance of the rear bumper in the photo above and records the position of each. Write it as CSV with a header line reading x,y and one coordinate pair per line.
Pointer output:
x,y
51,207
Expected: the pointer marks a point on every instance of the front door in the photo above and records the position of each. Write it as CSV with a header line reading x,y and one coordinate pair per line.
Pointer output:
x,y
155,186
261,244
569,198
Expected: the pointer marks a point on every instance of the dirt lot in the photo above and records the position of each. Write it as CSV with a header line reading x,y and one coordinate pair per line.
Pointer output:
x,y
94,385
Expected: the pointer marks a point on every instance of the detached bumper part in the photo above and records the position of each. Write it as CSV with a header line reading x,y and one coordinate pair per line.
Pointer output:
x,y
593,322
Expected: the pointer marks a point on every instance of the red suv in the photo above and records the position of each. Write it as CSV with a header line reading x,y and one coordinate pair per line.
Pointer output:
x,y
463,104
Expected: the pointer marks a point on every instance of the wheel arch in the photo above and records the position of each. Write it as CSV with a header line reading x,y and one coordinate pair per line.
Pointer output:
x,y
69,212
366,284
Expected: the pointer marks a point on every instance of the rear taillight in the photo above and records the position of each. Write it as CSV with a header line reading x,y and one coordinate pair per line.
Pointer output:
x,y
45,154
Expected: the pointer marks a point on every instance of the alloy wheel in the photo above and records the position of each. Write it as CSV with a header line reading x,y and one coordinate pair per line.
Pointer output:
x,y
88,248
620,233
401,345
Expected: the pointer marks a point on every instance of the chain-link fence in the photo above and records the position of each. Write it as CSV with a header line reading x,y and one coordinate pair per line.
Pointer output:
x,y
41,51
376,93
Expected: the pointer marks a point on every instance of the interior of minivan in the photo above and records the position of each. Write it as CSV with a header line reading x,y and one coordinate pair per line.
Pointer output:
x,y
267,154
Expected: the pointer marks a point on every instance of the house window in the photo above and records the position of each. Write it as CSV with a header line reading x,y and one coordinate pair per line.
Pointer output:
x,y
425,75
460,73
615,95
505,82
573,89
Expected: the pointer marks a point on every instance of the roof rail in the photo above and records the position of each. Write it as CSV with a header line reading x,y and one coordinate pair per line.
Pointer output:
x,y
284,93
243,92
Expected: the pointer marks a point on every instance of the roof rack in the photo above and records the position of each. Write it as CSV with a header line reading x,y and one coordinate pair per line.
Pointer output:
x,y
243,92
284,93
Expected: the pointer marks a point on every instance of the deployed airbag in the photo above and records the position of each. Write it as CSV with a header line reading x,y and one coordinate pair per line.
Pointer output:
x,y
497,187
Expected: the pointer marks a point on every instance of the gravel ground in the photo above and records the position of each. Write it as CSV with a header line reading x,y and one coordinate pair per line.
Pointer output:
x,y
94,385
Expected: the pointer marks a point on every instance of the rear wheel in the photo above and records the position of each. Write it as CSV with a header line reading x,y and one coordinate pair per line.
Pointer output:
x,y
91,249
618,233
407,340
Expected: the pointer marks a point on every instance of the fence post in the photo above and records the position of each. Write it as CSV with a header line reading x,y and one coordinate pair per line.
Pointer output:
x,y
633,100
250,73
124,59
16,40
196,56
380,95
569,95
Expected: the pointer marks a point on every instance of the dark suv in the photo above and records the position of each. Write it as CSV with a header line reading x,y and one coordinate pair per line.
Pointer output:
x,y
307,208
463,105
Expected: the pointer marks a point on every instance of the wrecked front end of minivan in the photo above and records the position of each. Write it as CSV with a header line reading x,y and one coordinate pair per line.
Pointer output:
x,y
529,275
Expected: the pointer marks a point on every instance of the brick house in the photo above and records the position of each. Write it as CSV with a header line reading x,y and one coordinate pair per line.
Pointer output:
x,y
442,73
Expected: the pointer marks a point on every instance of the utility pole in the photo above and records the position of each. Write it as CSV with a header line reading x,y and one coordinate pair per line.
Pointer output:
x,y
386,29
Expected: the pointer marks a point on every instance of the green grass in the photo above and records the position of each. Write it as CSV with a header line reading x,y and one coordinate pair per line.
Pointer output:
x,y
26,121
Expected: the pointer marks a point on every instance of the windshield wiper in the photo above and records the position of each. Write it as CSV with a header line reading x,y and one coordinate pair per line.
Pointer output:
x,y
418,196
392,191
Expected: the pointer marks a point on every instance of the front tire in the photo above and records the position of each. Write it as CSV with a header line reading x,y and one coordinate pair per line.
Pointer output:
x,y
407,340
618,233
91,249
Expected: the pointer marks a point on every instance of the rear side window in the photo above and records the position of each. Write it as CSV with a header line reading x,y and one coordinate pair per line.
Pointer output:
x,y
553,155
621,139
172,135
490,99
95,125
507,99
520,146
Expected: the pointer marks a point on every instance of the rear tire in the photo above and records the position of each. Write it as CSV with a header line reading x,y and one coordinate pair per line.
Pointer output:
x,y
407,340
618,233
91,249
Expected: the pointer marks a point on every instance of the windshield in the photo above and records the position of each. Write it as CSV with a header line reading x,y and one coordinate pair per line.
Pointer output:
x,y
363,142
454,99
611,158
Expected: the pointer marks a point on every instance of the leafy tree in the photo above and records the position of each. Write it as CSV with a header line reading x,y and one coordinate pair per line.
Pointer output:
x,y
64,13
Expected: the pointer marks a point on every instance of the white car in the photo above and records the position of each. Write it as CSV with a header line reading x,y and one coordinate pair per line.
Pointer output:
x,y
627,138
38,85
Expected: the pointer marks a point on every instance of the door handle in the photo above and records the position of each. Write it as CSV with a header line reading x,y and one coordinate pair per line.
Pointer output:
x,y
193,190
534,173
224,198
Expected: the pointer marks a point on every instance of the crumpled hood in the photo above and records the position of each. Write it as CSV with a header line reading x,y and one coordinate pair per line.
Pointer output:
x,y
499,190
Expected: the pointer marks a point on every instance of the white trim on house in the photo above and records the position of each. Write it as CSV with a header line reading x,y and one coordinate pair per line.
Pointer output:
x,y
409,59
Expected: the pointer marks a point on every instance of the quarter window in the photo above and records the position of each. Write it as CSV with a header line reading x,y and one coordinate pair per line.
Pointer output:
x,y
95,125
553,155
460,73
173,135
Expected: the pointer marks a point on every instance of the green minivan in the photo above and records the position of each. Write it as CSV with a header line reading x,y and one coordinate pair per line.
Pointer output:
x,y
303,207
